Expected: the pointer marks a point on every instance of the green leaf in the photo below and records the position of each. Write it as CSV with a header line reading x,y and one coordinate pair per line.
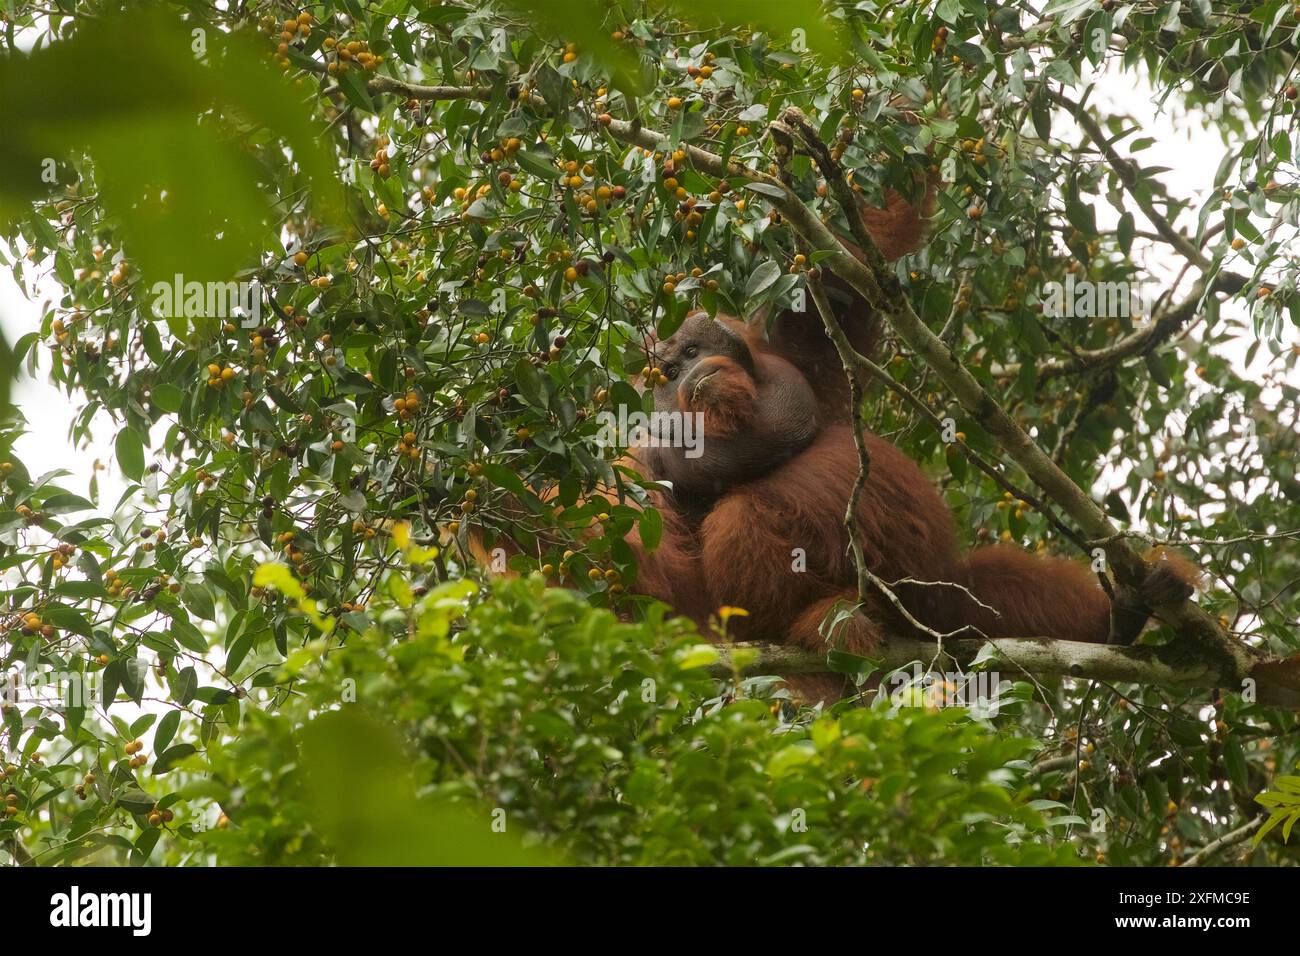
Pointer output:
x,y
130,454
529,382
186,686
701,655
170,757
198,599
536,164
841,662
64,503
761,278
134,672
239,649
651,525
166,730
363,798
1125,231
188,636
167,397
135,800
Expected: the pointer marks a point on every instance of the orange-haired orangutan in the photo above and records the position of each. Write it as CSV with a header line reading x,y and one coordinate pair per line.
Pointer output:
x,y
756,520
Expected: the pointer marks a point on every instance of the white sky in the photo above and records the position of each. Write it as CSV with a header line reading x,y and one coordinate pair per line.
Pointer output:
x,y
49,413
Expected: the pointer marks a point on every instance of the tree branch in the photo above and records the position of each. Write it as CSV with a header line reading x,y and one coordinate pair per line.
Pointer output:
x,y
1141,342
1230,838
1161,666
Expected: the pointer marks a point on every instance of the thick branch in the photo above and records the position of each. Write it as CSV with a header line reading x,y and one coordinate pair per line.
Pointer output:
x,y
627,132
1142,342
414,91
1015,657
1228,839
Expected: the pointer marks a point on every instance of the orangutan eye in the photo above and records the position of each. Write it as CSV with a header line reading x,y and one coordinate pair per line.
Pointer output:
x,y
692,351
671,372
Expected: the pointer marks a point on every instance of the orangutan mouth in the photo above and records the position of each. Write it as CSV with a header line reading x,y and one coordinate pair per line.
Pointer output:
x,y
695,392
